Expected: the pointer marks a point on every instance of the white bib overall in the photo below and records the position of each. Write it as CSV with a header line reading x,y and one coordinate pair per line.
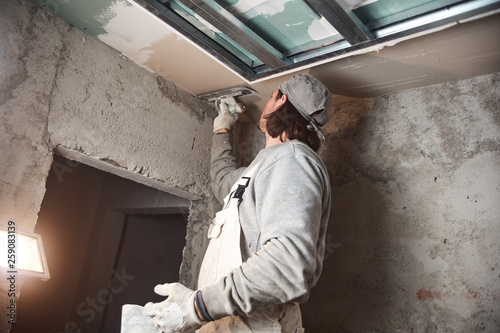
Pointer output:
x,y
224,255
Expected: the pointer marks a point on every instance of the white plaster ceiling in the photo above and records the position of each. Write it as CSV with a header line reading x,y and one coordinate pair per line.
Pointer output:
x,y
460,50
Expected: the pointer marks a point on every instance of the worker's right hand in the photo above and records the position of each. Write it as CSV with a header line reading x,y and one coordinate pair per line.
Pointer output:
x,y
225,119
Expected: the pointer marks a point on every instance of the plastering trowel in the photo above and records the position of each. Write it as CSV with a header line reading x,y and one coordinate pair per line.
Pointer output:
x,y
134,321
227,96
229,92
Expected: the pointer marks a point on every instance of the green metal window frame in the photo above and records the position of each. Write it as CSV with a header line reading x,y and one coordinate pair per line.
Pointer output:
x,y
246,51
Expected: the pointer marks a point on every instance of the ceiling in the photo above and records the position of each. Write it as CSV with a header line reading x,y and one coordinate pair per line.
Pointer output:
x,y
456,50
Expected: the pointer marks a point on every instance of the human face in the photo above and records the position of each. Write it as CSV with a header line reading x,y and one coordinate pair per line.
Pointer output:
x,y
272,105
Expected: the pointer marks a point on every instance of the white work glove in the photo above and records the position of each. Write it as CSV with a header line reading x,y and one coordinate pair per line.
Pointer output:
x,y
228,110
176,314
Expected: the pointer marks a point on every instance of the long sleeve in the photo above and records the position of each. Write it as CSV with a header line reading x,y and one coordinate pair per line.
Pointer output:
x,y
284,217
224,171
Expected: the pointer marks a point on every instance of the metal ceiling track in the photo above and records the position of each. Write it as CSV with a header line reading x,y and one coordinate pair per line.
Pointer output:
x,y
356,34
343,20
162,10
237,31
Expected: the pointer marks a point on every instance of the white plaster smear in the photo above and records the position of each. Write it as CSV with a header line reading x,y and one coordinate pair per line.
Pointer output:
x,y
474,194
420,248
319,29
258,7
132,31
175,323
135,321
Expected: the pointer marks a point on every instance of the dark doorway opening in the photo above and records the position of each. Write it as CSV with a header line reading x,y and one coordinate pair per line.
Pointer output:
x,y
149,248
108,242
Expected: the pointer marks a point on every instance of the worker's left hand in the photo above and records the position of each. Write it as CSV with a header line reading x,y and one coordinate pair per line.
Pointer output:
x,y
176,314
228,110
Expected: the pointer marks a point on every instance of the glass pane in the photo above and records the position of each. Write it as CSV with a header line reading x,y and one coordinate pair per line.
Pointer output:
x,y
290,26
378,13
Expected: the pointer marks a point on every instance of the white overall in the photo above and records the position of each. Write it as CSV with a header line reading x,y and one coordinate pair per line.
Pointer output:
x,y
223,255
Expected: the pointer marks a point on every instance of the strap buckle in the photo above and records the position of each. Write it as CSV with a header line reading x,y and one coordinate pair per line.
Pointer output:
x,y
238,194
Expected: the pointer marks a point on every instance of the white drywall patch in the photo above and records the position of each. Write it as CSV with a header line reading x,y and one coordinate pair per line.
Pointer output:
x,y
132,31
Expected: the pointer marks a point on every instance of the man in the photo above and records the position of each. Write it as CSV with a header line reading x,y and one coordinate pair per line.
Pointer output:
x,y
267,244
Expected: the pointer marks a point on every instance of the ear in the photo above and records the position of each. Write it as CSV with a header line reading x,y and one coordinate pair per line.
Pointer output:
x,y
282,100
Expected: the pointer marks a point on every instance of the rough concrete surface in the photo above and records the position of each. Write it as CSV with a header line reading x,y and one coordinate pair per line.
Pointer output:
x,y
414,237
201,214
58,86
414,234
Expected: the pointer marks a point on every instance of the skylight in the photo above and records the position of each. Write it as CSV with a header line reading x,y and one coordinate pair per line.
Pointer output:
x,y
259,38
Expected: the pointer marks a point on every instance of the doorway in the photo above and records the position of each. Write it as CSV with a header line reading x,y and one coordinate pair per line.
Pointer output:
x,y
108,242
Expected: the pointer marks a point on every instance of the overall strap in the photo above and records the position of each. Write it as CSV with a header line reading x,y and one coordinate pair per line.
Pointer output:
x,y
240,186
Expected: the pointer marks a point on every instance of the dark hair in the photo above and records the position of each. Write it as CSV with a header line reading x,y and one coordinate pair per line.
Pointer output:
x,y
288,120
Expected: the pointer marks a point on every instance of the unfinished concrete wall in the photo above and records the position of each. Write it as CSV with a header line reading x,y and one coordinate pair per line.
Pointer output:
x,y
60,87
414,234
413,243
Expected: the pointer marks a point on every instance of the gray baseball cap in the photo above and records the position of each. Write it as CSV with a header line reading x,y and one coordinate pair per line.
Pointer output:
x,y
311,98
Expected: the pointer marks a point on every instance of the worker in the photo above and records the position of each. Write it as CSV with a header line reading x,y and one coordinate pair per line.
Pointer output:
x,y
267,244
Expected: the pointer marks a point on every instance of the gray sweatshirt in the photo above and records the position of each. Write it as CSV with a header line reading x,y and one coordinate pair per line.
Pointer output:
x,y
283,215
